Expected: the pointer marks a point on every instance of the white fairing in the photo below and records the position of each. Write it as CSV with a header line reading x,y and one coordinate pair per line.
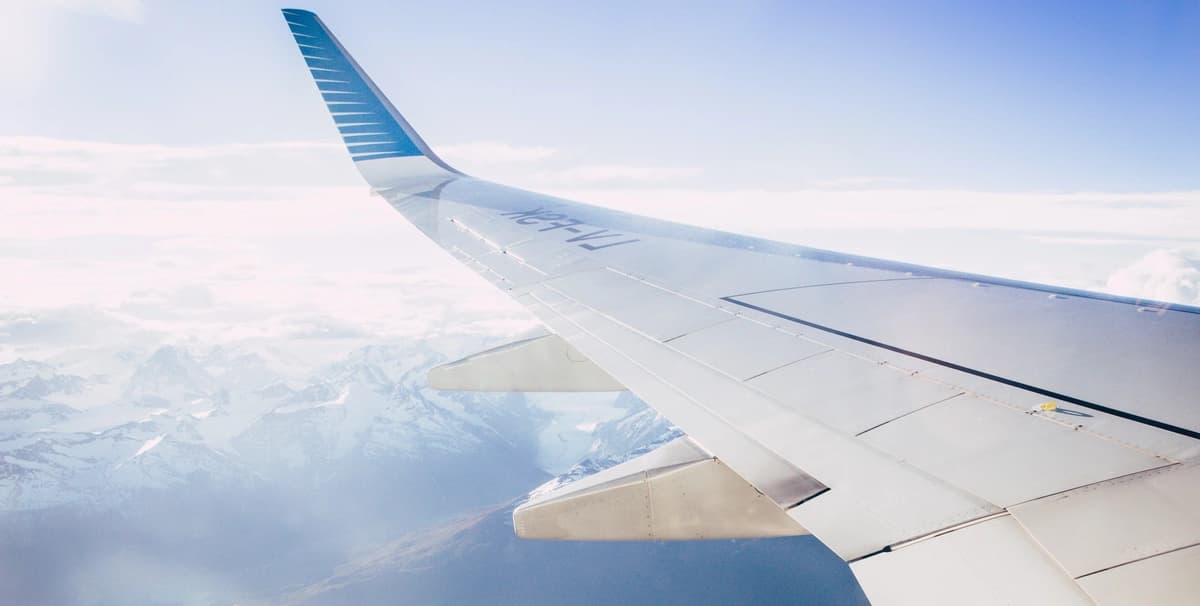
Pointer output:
x,y
545,363
678,492
960,439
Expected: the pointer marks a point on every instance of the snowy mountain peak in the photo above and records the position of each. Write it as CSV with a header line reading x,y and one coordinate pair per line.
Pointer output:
x,y
154,421
383,365
30,380
170,359
169,375
23,369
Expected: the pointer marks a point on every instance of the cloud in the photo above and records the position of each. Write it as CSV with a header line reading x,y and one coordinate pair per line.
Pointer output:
x,y
75,324
99,180
609,173
790,213
1163,275
860,182
494,152
45,161
498,160
49,148
1083,240
148,234
320,326
226,242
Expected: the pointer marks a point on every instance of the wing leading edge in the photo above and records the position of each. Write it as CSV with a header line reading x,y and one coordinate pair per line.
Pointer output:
x,y
938,430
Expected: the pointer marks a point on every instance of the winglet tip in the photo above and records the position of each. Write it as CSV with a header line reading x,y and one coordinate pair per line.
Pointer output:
x,y
370,127
298,12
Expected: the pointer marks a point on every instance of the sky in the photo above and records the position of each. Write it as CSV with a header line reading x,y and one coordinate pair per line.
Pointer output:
x,y
1011,96
172,162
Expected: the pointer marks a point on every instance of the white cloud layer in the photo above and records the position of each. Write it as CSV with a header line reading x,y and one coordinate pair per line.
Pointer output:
x,y
493,152
64,162
1162,275
788,213
282,241
602,173
217,243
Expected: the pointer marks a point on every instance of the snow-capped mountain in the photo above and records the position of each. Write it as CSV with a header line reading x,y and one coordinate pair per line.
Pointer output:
x,y
636,428
25,387
227,415
638,431
169,376
30,380
184,474
248,370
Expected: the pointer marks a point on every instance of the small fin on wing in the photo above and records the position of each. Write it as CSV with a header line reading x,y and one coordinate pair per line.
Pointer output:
x,y
678,492
544,363
384,147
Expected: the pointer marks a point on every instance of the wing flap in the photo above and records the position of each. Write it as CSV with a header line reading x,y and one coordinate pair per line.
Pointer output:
x,y
544,363
888,501
992,562
720,346
851,393
1169,579
677,492
1105,525
1005,455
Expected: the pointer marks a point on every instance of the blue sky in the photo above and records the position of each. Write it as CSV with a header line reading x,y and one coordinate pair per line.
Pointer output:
x,y
1002,96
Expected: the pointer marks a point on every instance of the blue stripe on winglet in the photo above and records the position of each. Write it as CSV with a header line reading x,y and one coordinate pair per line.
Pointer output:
x,y
357,139
356,108
374,148
358,129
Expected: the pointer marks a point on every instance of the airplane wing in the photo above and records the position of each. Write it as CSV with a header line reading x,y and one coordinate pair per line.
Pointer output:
x,y
955,438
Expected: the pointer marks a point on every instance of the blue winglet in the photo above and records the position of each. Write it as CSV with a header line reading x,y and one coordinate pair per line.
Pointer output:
x,y
370,126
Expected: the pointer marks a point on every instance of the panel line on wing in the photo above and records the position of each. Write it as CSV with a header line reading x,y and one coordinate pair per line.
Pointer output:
x,y
869,429
972,371
1141,559
943,531
786,364
761,292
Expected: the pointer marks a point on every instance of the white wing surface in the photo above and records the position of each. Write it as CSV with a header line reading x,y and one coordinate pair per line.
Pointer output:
x,y
956,438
